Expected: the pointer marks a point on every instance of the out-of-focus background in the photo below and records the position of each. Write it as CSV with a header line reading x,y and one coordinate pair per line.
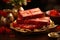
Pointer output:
x,y
42,4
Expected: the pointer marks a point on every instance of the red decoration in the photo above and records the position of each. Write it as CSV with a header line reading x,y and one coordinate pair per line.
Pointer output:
x,y
3,13
54,13
6,1
7,30
1,30
4,29
28,0
58,28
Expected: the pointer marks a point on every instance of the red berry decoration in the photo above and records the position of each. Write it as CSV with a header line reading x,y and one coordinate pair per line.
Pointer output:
x,y
58,28
54,13
8,30
3,13
6,1
3,28
1,31
28,0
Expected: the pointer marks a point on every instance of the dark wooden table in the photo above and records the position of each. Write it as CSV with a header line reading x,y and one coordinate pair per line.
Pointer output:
x,y
19,36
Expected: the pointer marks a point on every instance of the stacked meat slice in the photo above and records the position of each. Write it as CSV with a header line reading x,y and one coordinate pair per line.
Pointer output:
x,y
31,19
30,14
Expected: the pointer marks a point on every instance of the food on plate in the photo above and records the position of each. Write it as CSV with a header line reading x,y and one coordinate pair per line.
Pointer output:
x,y
32,20
30,27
